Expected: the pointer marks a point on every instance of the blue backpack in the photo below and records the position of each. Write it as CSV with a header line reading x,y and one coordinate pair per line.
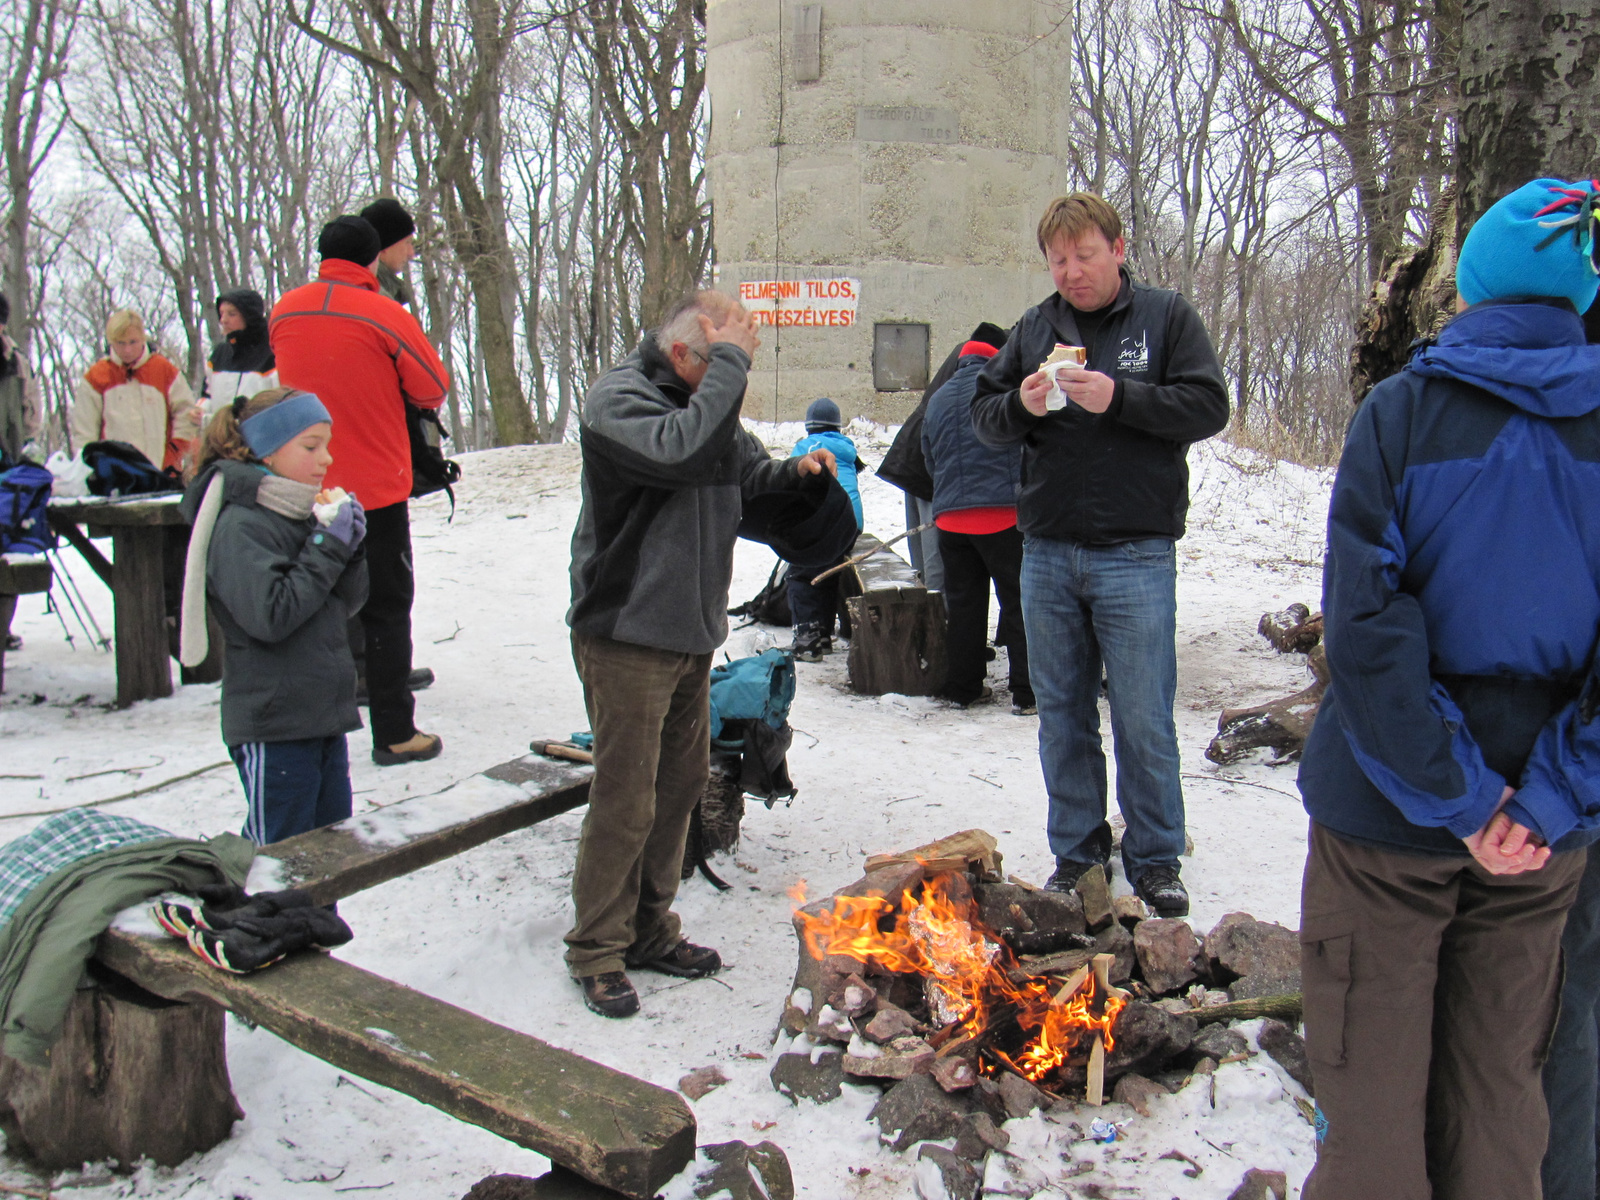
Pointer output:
x,y
759,688
24,522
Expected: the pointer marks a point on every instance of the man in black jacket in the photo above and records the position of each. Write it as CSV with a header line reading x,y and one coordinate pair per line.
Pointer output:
x,y
1105,490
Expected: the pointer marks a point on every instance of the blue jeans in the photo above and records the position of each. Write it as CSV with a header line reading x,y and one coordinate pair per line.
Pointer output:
x,y
1116,606
293,787
1570,1071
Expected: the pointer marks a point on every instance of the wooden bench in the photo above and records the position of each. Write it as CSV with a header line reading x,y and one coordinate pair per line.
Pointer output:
x,y
21,578
897,635
609,1127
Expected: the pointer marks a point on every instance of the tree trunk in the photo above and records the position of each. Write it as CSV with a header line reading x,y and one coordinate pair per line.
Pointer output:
x,y
134,1076
1529,91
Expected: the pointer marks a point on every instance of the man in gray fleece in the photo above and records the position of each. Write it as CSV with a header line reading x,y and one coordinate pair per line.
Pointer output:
x,y
666,468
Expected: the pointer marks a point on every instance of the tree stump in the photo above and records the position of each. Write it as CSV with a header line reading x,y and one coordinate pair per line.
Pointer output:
x,y
721,812
899,642
133,1076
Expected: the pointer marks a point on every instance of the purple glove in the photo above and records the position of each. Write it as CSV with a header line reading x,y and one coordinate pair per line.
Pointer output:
x,y
349,524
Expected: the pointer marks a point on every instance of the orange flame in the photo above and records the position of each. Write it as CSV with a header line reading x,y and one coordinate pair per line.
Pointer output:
x,y
966,968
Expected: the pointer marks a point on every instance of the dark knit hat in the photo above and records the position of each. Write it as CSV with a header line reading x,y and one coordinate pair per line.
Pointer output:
x,y
822,414
351,239
989,335
393,223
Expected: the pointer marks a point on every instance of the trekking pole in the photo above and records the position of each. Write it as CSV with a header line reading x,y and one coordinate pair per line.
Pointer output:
x,y
100,638
860,558
51,606
67,590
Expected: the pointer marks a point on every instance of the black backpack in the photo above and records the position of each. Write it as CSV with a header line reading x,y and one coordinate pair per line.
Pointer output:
x,y
121,469
431,471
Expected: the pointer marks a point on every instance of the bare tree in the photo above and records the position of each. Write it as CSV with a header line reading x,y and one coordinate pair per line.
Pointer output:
x,y
649,62
37,38
449,58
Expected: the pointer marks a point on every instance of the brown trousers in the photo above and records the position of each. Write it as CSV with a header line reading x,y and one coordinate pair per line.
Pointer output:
x,y
650,714
1430,997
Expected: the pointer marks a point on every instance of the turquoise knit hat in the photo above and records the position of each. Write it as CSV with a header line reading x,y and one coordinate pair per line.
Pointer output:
x,y
1538,241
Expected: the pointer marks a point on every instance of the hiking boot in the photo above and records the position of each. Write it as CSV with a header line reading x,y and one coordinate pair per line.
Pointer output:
x,y
609,994
1067,874
985,694
685,960
13,641
1162,890
1023,704
419,679
810,643
419,747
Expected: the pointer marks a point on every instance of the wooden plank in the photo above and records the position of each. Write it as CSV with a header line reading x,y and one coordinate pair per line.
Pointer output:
x,y
607,1126
25,577
364,851
101,512
138,587
883,569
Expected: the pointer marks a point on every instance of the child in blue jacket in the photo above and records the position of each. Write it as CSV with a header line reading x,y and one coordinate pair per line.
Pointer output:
x,y
812,609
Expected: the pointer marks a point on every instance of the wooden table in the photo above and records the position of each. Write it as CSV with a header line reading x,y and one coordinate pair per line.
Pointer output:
x,y
137,528
24,577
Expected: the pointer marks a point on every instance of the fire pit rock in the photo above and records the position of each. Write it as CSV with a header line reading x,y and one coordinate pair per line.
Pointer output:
x,y
1147,1038
918,1110
1288,1049
1254,958
1167,950
1219,1042
1032,921
817,1075
1116,940
944,1175
744,1172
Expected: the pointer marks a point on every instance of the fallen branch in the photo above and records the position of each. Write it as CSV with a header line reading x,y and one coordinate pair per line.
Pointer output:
x,y
133,795
861,558
1284,1007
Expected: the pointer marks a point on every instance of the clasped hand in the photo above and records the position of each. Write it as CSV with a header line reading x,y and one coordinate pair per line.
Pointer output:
x,y
1505,847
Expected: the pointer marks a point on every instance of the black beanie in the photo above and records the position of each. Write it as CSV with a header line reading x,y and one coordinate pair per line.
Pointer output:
x,y
393,223
349,238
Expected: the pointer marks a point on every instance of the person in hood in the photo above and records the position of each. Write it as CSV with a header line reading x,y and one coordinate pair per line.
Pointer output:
x,y
975,489
281,563
812,607
21,409
137,396
242,363
1453,771
367,357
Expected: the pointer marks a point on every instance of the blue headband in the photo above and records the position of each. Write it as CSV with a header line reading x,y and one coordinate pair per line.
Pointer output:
x,y
267,431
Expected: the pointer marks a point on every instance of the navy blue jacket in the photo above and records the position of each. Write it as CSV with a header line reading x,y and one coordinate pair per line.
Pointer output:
x,y
1121,475
1462,591
966,473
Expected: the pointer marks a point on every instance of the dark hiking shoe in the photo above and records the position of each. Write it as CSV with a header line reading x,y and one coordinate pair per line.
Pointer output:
x,y
419,679
810,643
1023,704
686,960
13,641
967,700
419,748
609,994
1067,874
1162,890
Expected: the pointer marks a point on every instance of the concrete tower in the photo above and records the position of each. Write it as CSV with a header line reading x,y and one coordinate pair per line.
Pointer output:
x,y
877,169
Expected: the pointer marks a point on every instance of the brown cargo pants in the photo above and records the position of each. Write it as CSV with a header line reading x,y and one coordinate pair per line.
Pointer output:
x,y
1430,998
650,714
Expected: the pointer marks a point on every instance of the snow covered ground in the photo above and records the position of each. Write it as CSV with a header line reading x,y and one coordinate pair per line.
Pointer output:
x,y
483,930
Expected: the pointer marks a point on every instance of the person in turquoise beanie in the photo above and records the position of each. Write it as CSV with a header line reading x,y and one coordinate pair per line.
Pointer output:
x,y
812,608
1452,776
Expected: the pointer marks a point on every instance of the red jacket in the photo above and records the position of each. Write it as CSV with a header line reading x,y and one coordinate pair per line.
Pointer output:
x,y
365,356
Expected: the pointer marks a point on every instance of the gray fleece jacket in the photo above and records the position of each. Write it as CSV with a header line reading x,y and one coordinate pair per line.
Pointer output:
x,y
283,591
665,473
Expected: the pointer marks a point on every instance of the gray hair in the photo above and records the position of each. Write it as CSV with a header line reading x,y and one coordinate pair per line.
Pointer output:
x,y
681,323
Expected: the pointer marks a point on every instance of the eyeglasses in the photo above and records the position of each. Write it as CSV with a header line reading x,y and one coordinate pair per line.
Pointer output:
x,y
705,358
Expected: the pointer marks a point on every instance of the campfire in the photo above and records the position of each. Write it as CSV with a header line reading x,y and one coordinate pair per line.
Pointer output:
x,y
979,1003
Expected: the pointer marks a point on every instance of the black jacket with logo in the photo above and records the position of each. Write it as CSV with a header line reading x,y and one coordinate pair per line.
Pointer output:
x,y
1121,475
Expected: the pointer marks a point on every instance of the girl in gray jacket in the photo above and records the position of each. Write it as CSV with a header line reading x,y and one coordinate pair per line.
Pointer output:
x,y
280,561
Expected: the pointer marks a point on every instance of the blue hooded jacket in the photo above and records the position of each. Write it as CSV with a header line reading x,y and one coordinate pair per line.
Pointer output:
x,y
1461,593
844,453
966,473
